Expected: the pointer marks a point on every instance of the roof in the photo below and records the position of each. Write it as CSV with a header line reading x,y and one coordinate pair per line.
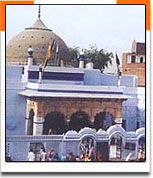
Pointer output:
x,y
32,93
38,25
38,36
72,91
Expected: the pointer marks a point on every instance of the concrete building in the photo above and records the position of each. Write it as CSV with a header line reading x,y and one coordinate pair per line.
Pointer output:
x,y
134,62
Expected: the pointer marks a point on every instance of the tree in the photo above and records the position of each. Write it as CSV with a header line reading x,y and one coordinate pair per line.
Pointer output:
x,y
74,53
100,58
79,120
55,122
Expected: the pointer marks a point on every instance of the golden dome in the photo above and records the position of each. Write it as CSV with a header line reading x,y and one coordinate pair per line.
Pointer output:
x,y
38,36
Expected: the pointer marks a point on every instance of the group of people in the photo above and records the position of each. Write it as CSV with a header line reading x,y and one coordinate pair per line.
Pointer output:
x,y
88,151
51,155
43,156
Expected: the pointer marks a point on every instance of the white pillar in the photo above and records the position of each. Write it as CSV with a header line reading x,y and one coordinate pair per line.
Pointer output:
x,y
40,74
30,61
61,63
30,56
89,65
27,119
38,125
81,64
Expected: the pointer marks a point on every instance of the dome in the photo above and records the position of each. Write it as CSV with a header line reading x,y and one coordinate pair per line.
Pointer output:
x,y
38,36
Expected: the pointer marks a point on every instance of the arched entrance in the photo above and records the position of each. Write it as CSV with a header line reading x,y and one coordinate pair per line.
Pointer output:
x,y
35,148
79,120
103,120
54,123
87,149
116,147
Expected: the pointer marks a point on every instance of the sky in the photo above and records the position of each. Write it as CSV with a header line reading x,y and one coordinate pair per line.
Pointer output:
x,y
110,27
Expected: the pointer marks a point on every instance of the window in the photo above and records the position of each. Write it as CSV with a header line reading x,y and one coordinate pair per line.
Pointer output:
x,y
141,59
112,141
137,125
128,59
129,146
124,124
22,70
133,59
137,59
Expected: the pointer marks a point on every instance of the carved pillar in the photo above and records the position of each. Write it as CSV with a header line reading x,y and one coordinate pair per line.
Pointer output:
x,y
29,119
38,125
38,119
118,113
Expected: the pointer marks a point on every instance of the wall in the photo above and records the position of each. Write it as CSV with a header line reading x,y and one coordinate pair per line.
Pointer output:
x,y
137,69
15,104
18,146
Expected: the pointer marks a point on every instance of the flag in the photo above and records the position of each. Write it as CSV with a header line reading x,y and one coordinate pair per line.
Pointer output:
x,y
49,53
57,55
53,46
117,60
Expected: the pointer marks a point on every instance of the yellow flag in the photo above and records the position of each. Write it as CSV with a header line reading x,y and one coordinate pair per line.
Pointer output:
x,y
48,55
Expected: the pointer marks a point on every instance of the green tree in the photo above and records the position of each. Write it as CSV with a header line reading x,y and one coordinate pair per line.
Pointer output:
x,y
100,58
74,53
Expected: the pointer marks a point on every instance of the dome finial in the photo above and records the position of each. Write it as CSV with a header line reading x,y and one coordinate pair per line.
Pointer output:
x,y
39,12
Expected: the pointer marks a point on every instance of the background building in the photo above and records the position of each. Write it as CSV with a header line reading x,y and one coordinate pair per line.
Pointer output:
x,y
134,62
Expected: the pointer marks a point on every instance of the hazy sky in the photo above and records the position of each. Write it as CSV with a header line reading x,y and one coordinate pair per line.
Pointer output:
x,y
111,27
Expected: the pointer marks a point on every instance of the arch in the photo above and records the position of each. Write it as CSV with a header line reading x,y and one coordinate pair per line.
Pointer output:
x,y
103,120
54,123
87,148
79,120
116,130
116,147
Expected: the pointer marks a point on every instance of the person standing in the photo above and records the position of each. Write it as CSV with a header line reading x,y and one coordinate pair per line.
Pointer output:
x,y
43,154
31,155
